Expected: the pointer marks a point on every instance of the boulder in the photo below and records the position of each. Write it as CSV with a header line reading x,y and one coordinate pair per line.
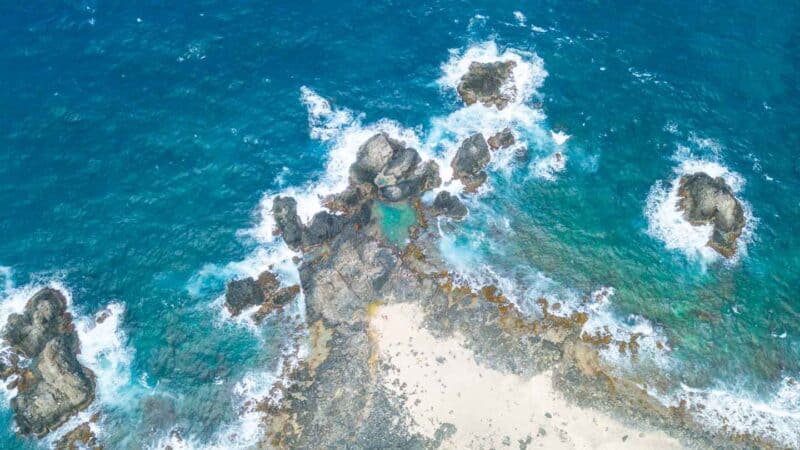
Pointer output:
x,y
448,205
395,170
284,210
705,200
503,139
44,318
276,300
53,389
470,160
484,83
242,294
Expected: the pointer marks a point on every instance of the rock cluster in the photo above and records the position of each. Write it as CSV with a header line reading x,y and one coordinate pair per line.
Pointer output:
x,y
705,200
470,160
323,225
484,82
503,139
265,291
54,386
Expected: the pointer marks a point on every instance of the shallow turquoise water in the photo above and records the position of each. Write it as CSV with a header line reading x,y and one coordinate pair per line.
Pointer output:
x,y
137,140
395,220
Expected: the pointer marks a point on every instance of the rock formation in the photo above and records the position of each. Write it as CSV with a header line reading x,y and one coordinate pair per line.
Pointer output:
x,y
470,160
484,82
54,386
448,205
502,139
265,291
705,200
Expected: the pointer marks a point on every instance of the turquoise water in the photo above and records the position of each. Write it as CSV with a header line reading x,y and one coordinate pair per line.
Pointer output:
x,y
395,220
137,142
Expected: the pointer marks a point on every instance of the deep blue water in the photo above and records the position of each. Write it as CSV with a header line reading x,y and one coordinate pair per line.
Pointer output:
x,y
137,139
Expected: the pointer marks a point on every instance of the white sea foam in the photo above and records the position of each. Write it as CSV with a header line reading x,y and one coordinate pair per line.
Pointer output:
x,y
521,19
732,411
666,221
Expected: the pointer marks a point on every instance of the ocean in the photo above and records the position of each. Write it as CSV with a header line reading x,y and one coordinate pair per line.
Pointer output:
x,y
141,145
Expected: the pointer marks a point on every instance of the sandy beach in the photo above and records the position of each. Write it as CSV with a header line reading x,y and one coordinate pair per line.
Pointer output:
x,y
443,384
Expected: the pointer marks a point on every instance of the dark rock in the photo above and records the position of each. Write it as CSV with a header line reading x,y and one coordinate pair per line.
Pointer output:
x,y
323,227
80,438
448,205
54,389
503,139
275,301
706,200
395,170
484,82
43,319
284,209
470,160
242,294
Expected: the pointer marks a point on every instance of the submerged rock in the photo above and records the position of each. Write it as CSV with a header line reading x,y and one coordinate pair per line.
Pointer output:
x,y
484,83
448,205
470,160
503,139
705,200
55,385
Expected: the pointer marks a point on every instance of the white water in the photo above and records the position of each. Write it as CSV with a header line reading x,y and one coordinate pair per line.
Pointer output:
x,y
666,221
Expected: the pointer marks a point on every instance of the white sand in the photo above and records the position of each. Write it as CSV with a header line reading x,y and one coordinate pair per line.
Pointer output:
x,y
489,408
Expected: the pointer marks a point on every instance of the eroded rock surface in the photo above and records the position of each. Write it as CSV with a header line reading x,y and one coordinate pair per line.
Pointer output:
x,y
705,200
265,291
448,205
485,83
54,386
470,160
503,139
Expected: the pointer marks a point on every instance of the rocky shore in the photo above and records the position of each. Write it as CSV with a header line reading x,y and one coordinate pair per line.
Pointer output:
x,y
390,330
403,355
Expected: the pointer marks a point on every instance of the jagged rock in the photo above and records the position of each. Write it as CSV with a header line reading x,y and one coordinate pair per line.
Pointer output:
x,y
323,227
484,83
395,170
284,209
706,200
276,300
81,438
44,318
503,139
470,160
448,205
55,388
265,291
242,294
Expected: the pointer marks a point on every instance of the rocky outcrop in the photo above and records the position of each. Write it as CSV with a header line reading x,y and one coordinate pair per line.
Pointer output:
x,y
448,205
470,160
54,386
484,82
265,291
284,210
81,438
503,139
705,200
396,171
